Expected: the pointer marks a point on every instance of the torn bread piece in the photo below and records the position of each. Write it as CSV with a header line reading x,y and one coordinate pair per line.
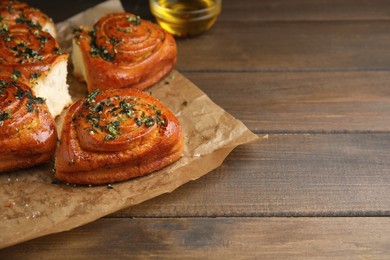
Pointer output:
x,y
33,57
14,12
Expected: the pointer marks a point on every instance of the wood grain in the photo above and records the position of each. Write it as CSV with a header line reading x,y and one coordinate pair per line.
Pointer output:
x,y
288,175
304,10
288,46
247,10
356,41
313,75
237,238
302,101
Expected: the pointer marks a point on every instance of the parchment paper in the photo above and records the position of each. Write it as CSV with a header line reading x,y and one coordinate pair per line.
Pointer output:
x,y
32,206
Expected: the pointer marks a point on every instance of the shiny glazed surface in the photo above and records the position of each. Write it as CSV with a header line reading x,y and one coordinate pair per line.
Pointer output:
x,y
123,50
26,53
28,134
117,135
15,12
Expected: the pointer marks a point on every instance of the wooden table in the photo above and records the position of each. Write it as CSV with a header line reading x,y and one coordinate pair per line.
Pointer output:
x,y
313,77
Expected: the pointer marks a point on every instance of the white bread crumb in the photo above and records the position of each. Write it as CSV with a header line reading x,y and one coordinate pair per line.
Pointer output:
x,y
53,88
78,62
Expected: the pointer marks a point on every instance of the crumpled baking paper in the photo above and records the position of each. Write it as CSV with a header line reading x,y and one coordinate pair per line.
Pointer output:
x,y
32,206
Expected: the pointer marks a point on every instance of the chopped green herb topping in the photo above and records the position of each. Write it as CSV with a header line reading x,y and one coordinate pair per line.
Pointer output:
x,y
58,50
114,41
99,51
24,20
120,112
17,74
7,38
113,130
149,122
42,38
31,100
127,108
19,94
25,53
92,118
4,115
4,28
134,19
126,30
102,52
92,33
34,76
91,97
137,121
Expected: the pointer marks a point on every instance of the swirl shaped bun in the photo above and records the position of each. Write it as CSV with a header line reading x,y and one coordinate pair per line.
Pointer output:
x,y
122,51
15,12
28,134
34,58
117,135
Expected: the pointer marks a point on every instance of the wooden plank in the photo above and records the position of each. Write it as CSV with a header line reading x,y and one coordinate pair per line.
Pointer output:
x,y
287,10
288,46
288,175
253,44
302,102
304,10
248,10
240,238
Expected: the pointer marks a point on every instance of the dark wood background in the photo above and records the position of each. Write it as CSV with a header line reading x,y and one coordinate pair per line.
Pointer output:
x,y
313,78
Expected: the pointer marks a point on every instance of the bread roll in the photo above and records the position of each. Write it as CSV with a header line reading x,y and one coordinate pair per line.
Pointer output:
x,y
27,130
34,58
121,51
117,135
15,12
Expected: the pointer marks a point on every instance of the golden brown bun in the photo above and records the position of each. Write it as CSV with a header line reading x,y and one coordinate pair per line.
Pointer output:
x,y
117,135
27,130
33,57
27,54
15,12
122,51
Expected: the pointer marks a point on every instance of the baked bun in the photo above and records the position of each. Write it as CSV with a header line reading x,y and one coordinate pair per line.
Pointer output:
x,y
28,134
122,51
117,135
15,12
34,58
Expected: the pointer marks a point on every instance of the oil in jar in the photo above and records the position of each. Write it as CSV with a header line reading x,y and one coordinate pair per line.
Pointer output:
x,y
186,17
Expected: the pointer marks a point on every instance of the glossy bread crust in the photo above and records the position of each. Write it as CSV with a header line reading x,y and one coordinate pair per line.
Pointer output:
x,y
117,135
28,54
28,134
123,51
15,12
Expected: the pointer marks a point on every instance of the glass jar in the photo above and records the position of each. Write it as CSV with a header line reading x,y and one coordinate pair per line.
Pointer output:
x,y
186,17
